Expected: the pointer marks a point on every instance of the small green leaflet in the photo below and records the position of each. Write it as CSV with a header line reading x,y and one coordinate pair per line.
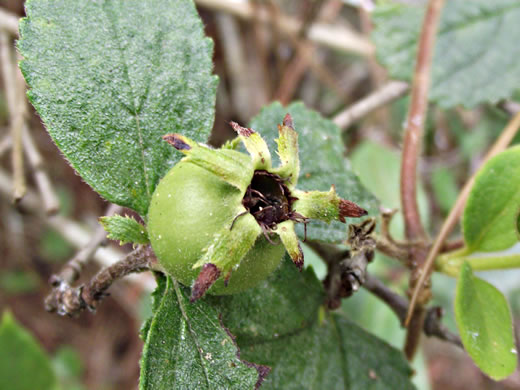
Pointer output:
x,y
490,220
109,78
321,153
485,325
476,52
23,363
125,229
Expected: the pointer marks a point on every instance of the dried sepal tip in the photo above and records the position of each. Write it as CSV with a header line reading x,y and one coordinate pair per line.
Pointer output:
x,y
207,276
290,241
255,145
350,209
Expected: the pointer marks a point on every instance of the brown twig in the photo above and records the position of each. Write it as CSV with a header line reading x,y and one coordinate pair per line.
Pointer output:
x,y
9,22
432,321
411,148
49,197
5,144
501,143
72,269
387,93
17,112
67,300
336,37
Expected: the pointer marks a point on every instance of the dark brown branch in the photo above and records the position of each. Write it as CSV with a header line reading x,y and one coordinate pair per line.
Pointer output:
x,y
67,300
72,269
432,325
412,143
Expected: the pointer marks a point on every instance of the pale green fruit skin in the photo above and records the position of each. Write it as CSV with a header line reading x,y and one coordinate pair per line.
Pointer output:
x,y
187,208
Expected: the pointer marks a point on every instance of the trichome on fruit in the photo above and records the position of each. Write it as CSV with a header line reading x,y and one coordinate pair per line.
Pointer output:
x,y
221,220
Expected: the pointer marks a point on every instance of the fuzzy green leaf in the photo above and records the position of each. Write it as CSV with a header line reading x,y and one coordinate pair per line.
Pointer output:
x,y
187,347
109,78
476,52
125,229
490,217
322,162
23,363
485,325
281,324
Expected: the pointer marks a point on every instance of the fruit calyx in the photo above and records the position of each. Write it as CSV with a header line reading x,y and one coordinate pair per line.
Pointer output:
x,y
271,204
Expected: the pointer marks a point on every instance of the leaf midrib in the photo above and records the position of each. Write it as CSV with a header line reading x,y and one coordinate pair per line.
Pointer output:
x,y
133,110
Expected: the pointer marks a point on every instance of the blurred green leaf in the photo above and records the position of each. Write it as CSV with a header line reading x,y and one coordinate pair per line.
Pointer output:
x,y
322,162
281,323
187,347
491,213
18,282
53,247
378,168
485,325
124,229
476,41
109,79
68,367
23,363
445,188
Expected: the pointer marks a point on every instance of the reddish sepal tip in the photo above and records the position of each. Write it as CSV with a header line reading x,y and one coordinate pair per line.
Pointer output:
x,y
207,276
350,209
243,131
288,121
176,141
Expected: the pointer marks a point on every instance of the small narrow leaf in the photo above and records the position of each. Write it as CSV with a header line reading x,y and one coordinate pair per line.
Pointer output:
x,y
485,325
187,347
475,43
321,153
23,363
125,229
109,78
490,220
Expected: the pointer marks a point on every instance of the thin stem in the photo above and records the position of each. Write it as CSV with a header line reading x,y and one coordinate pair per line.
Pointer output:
x,y
500,144
49,197
432,320
17,111
412,142
72,269
450,265
67,300
389,92
9,22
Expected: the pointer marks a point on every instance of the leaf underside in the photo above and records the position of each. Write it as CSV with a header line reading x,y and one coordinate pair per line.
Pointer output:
x,y
476,51
109,78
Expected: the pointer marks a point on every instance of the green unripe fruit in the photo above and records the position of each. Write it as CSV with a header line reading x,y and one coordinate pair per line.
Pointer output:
x,y
189,206
221,220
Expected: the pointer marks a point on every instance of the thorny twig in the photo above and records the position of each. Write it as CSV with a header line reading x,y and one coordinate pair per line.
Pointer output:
x,y
411,148
67,300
